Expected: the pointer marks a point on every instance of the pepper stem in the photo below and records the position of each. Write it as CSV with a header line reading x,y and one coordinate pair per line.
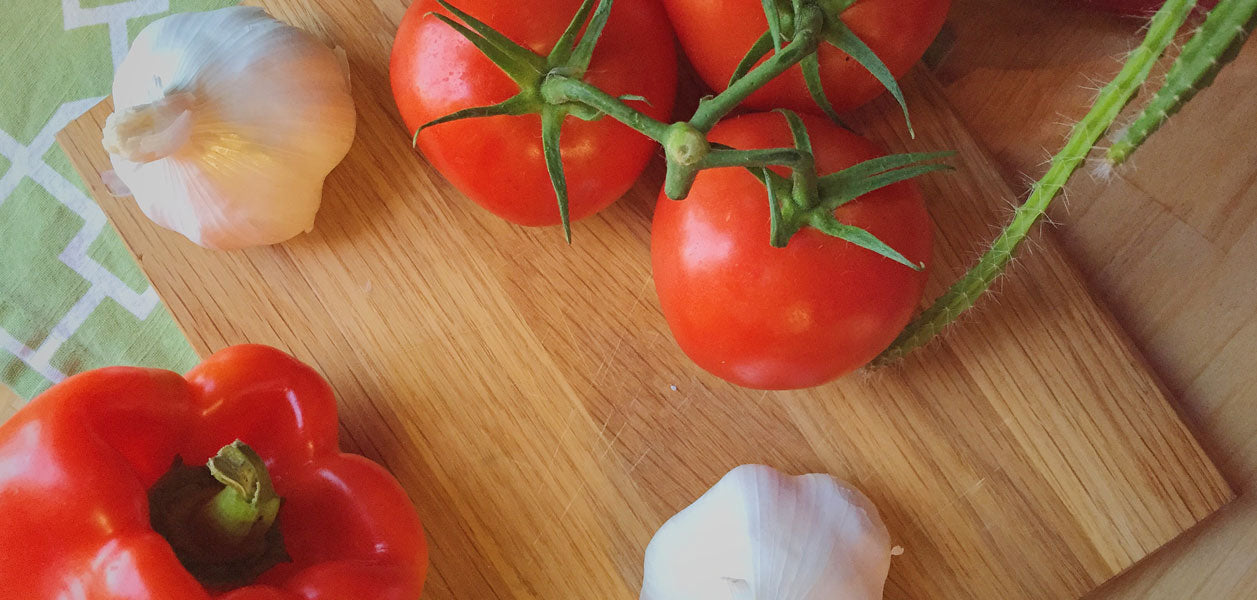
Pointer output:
x,y
247,502
150,131
220,519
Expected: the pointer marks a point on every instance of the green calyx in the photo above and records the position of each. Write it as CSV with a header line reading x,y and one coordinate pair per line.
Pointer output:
x,y
813,22
806,200
553,87
567,61
220,519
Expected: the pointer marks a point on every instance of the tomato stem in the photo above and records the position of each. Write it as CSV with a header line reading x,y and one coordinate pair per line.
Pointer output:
x,y
786,157
558,88
1113,97
1216,43
805,188
560,92
806,38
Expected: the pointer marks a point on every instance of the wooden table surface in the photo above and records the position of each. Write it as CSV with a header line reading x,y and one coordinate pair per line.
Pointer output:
x,y
1170,244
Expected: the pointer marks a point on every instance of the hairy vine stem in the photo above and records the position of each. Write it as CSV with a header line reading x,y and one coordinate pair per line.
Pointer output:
x,y
554,87
1113,97
1216,43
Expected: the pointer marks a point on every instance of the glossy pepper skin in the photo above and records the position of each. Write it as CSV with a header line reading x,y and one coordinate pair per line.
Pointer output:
x,y
76,464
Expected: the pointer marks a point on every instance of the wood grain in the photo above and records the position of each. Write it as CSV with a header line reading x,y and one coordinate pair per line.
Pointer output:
x,y
523,390
1170,244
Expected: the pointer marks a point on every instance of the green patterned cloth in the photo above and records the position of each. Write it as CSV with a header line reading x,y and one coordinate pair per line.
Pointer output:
x,y
71,297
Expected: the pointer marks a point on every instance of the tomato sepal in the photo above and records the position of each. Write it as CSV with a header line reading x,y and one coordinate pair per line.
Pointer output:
x,y
551,129
566,43
811,201
828,224
584,51
811,67
774,23
848,184
831,30
838,35
519,104
568,60
763,44
804,186
514,60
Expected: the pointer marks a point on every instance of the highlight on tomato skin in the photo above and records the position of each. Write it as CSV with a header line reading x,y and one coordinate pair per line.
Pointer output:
x,y
793,317
717,35
498,161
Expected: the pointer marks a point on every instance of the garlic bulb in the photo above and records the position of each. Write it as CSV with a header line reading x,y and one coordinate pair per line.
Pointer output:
x,y
761,535
227,123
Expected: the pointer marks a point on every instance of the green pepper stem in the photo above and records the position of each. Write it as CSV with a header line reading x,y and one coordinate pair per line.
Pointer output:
x,y
1082,139
247,505
220,519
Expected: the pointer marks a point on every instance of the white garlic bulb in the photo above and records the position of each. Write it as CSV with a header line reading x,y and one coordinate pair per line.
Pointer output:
x,y
761,535
227,123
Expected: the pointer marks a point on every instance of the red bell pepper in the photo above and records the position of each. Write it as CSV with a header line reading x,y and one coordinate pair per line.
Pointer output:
x,y
87,483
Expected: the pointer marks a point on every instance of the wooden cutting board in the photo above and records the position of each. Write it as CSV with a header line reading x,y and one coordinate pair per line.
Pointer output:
x,y
529,396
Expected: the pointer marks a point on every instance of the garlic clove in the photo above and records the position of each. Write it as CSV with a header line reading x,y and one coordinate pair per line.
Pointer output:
x,y
227,122
761,535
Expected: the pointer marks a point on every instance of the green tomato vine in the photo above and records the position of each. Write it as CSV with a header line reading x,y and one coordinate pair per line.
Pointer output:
x,y
1203,53
553,86
1215,44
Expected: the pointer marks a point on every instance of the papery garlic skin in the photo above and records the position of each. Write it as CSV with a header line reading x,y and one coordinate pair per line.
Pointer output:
x,y
226,123
761,535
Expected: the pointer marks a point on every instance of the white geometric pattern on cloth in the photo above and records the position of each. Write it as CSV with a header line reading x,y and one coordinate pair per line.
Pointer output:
x,y
113,15
27,161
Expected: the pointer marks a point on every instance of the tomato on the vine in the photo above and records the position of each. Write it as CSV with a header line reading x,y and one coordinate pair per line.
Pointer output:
x,y
717,35
498,161
792,317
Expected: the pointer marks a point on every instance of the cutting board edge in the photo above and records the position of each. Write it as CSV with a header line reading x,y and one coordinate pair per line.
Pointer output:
x,y
92,179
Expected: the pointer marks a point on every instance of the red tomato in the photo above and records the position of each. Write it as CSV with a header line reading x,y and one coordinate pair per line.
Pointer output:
x,y
793,317
716,34
498,161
